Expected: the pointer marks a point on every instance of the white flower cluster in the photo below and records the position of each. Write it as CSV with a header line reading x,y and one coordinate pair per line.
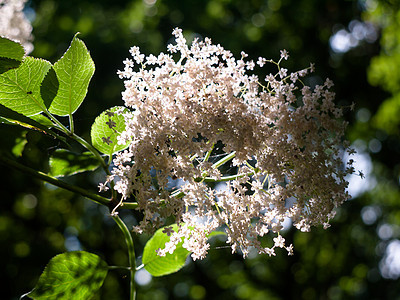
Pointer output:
x,y
203,118
13,23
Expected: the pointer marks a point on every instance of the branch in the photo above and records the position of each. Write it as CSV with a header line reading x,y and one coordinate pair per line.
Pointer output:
x,y
54,181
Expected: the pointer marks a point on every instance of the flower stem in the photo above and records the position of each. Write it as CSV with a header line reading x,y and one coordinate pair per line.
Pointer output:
x,y
129,205
131,254
224,160
207,156
226,178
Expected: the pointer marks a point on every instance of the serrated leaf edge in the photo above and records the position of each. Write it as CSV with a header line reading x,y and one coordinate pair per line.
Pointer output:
x,y
17,42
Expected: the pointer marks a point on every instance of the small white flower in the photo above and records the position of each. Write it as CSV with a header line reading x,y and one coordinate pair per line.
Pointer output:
x,y
261,61
250,65
328,83
172,49
128,62
160,252
282,73
294,77
284,54
279,241
177,32
289,249
134,50
103,187
270,251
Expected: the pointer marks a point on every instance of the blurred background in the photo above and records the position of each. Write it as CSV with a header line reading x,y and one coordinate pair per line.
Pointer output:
x,y
354,43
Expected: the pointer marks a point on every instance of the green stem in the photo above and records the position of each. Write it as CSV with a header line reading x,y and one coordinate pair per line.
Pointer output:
x,y
118,268
224,160
207,156
55,121
96,153
177,194
71,123
225,178
129,205
54,181
131,253
217,164
83,142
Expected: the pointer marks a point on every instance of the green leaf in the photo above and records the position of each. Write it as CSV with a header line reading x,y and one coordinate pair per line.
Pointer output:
x,y
105,130
20,88
37,122
163,265
49,87
42,120
74,71
11,49
11,54
64,163
72,275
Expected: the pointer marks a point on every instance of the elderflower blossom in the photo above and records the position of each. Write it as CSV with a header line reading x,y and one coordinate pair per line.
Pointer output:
x,y
13,23
199,115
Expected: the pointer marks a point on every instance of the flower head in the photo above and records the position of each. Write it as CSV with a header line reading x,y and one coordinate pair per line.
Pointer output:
x,y
274,147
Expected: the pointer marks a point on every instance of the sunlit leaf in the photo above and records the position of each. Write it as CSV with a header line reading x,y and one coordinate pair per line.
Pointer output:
x,y
11,49
74,71
20,88
42,120
64,163
162,265
105,130
72,275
